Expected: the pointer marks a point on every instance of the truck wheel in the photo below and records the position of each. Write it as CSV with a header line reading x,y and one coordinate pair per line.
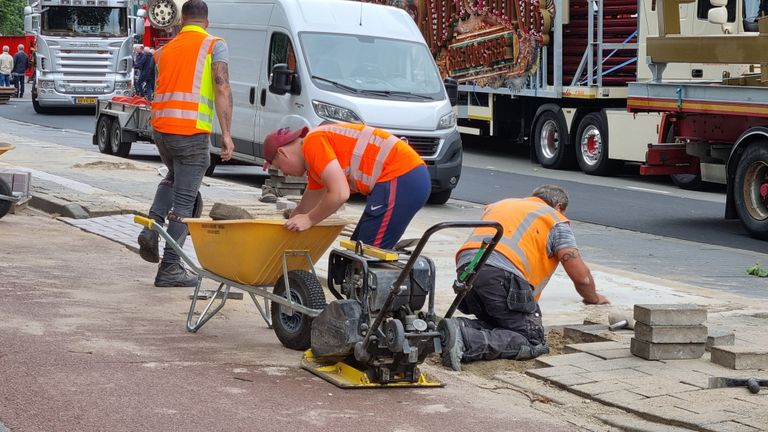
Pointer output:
x,y
592,145
688,181
215,159
119,147
294,329
440,197
750,191
5,206
551,140
103,132
36,105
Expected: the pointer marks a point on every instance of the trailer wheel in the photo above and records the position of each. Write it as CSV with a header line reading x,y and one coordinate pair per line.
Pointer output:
x,y
103,132
440,197
294,329
688,181
551,140
750,192
119,147
592,145
5,206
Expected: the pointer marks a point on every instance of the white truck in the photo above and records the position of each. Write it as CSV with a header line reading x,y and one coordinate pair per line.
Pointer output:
x,y
83,51
554,73
315,62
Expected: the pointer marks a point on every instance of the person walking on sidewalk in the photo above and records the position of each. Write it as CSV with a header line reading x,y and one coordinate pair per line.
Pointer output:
x,y
506,291
347,157
6,67
192,79
20,65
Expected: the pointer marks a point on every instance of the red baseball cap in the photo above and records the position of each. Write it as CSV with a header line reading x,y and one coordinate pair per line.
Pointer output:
x,y
278,138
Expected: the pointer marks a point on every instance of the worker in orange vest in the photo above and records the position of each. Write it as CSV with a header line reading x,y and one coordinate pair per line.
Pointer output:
x,y
506,291
347,157
192,78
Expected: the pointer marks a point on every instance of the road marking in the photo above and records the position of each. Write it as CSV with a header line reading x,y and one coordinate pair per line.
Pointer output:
x,y
648,190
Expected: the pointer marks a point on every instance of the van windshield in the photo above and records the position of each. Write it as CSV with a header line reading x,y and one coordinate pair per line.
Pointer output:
x,y
372,66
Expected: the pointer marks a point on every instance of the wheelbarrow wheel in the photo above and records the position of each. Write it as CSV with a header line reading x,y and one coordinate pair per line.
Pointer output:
x,y
5,206
294,329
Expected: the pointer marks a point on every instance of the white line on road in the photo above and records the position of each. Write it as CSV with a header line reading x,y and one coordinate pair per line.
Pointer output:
x,y
648,190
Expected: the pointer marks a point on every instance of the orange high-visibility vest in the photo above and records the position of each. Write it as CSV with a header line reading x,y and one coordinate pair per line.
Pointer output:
x,y
184,96
527,223
366,154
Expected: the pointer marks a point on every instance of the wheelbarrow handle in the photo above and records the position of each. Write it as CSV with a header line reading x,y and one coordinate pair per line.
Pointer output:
x,y
141,220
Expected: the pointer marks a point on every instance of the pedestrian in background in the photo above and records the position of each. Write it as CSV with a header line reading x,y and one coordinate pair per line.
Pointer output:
x,y
6,67
147,79
505,293
138,59
20,65
182,120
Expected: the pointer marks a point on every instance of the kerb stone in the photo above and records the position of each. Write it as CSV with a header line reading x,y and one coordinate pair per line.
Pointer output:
x,y
659,351
670,314
670,334
740,357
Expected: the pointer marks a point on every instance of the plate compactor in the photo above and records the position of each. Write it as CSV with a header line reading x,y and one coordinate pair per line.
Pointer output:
x,y
376,333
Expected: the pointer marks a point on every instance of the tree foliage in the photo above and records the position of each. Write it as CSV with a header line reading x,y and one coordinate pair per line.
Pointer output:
x,y
12,17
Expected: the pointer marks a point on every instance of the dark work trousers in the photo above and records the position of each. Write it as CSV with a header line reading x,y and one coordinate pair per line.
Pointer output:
x,y
187,157
502,327
390,207
18,82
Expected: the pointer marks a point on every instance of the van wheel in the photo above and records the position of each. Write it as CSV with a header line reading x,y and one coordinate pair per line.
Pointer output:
x,y
215,160
103,134
750,192
119,147
551,140
440,197
592,145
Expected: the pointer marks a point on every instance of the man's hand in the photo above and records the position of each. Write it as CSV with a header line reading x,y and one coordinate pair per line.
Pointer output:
x,y
227,147
300,222
601,300
580,275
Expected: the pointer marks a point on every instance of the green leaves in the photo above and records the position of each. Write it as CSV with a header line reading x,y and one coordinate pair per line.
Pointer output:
x,y
12,17
756,270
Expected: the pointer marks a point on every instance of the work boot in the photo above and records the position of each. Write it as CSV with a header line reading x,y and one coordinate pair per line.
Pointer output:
x,y
148,245
528,352
175,275
452,343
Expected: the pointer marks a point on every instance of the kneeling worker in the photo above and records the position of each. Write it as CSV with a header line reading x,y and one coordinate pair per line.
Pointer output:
x,y
347,157
506,290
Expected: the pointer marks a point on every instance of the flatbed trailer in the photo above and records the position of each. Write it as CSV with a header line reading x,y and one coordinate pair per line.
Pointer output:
x,y
121,123
716,130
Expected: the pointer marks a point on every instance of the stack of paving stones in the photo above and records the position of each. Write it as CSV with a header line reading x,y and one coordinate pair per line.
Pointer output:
x,y
669,332
282,185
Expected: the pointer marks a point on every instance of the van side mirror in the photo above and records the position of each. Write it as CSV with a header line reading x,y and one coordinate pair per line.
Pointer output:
x,y
283,80
452,88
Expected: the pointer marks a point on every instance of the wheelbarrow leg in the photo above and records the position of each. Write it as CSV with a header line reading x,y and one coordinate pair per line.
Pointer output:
x,y
192,325
264,311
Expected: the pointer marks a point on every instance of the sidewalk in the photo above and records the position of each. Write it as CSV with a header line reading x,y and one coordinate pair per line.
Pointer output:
x,y
86,186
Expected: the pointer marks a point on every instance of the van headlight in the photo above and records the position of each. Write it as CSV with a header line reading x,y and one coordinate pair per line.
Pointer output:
x,y
333,112
447,121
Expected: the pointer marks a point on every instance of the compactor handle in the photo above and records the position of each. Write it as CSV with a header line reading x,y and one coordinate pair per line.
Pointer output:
x,y
141,220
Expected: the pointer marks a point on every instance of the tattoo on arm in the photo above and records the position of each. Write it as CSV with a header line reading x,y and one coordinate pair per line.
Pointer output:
x,y
569,255
223,96
220,73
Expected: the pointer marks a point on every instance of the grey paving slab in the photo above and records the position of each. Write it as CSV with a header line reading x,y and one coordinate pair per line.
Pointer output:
x,y
666,351
662,389
740,357
616,374
613,364
670,314
569,380
565,359
671,334
731,426
623,398
554,371
612,353
593,346
596,388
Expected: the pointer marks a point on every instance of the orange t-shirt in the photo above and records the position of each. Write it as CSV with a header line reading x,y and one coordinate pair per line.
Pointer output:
x,y
322,146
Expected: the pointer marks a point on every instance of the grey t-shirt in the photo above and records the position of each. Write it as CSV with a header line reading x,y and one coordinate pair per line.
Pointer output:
x,y
220,52
560,237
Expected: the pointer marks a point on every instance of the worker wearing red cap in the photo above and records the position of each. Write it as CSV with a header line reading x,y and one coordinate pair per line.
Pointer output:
x,y
343,158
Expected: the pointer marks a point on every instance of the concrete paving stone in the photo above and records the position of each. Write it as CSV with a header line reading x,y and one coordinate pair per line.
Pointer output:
x,y
760,399
671,334
612,354
731,426
734,406
665,412
593,346
670,314
621,398
565,359
740,357
759,422
596,388
612,364
717,395
569,380
585,333
655,351
554,371
696,379
630,423
615,374
703,420
661,389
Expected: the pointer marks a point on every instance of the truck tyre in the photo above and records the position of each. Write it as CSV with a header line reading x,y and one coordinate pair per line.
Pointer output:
x,y
119,147
103,133
592,145
440,197
551,140
215,160
36,105
294,329
5,206
688,181
750,189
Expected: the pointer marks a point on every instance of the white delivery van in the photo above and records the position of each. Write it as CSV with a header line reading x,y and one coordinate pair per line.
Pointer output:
x,y
324,61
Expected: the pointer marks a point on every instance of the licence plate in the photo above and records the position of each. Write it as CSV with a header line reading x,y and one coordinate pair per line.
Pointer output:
x,y
85,101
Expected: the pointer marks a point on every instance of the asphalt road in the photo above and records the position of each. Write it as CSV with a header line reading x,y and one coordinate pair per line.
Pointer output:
x,y
643,208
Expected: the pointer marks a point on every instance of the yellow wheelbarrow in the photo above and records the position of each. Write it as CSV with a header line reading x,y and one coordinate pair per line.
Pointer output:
x,y
6,193
263,259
